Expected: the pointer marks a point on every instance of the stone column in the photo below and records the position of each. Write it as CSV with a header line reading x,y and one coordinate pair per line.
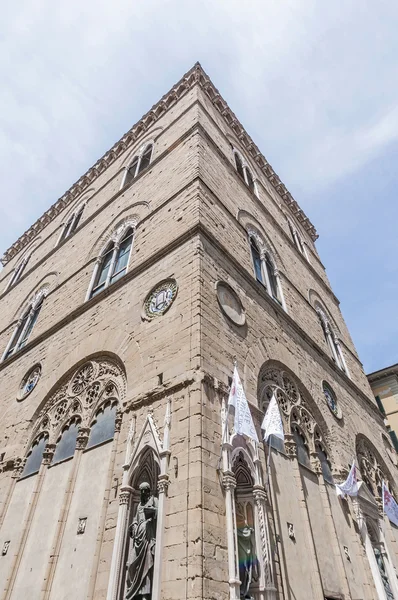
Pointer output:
x,y
279,285
229,485
119,542
392,577
93,278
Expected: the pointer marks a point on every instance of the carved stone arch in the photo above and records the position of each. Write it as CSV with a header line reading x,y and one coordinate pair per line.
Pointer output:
x,y
140,146
56,434
133,213
82,200
147,469
372,467
320,307
255,229
237,148
78,392
295,402
42,288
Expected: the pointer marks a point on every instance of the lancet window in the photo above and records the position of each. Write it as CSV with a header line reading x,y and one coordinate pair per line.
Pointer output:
x,y
139,163
72,223
25,324
244,172
113,261
298,240
264,266
83,408
332,339
19,269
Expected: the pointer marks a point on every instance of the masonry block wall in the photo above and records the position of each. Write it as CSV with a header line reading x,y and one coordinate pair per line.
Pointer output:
x,y
192,212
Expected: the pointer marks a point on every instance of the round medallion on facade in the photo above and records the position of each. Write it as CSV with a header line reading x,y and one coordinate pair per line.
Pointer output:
x,y
82,379
331,401
160,298
230,303
29,382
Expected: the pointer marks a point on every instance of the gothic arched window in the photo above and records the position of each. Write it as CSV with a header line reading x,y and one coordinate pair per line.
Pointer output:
x,y
113,262
332,339
103,428
303,455
35,456
325,465
265,269
66,443
24,327
244,172
72,223
300,244
19,269
138,164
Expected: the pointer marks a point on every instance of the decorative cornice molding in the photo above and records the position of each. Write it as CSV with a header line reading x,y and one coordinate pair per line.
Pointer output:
x,y
194,76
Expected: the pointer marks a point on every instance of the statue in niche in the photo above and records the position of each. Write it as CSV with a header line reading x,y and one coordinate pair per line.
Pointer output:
x,y
143,538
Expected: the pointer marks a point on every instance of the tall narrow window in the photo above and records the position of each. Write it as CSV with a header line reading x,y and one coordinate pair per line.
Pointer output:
x,y
256,260
66,443
244,171
332,340
72,223
138,164
35,456
272,278
113,263
103,428
325,466
303,456
19,269
24,328
298,240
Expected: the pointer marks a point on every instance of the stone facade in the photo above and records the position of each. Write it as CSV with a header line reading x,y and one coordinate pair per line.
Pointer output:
x,y
164,377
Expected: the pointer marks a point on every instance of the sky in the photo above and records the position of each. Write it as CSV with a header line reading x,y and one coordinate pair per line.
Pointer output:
x,y
314,83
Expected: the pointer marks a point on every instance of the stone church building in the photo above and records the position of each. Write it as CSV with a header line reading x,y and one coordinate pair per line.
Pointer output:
x,y
123,309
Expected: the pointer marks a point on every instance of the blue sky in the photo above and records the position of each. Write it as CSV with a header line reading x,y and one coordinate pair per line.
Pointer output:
x,y
314,83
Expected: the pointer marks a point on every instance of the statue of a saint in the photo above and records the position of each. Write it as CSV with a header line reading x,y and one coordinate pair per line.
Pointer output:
x,y
143,538
248,565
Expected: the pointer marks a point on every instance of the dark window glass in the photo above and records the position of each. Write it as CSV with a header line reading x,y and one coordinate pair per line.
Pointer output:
x,y
122,258
131,171
239,166
66,444
326,471
302,450
145,159
249,178
272,279
103,271
256,261
35,456
277,443
104,426
67,227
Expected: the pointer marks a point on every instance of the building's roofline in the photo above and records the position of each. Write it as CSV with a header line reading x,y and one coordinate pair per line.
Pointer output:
x,y
385,372
196,75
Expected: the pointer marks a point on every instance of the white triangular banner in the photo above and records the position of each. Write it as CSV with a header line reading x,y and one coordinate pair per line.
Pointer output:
x,y
272,423
350,485
243,423
390,507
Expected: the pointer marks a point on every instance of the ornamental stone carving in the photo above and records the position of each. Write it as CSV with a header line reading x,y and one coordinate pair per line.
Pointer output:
x,y
159,299
29,382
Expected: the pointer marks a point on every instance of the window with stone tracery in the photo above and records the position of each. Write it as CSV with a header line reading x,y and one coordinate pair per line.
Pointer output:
x,y
139,163
373,472
298,240
19,269
264,267
113,261
25,325
66,443
103,427
332,338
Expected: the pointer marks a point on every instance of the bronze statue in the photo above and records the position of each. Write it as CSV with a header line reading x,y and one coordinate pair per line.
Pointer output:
x,y
143,535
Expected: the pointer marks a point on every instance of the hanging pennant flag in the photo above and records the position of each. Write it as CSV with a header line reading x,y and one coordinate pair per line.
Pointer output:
x,y
350,486
243,423
390,507
272,423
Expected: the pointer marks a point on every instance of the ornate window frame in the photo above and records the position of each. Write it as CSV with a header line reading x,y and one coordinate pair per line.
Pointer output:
x,y
331,337
133,170
267,261
113,242
301,245
69,226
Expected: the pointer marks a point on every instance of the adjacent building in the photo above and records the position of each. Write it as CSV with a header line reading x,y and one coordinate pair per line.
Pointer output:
x,y
384,384
123,311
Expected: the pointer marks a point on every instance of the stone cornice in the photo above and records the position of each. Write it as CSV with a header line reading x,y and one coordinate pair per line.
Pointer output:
x,y
194,76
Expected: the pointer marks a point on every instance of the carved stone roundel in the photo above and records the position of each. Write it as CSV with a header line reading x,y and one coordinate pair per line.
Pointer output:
x,y
29,382
331,400
230,303
82,378
160,298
